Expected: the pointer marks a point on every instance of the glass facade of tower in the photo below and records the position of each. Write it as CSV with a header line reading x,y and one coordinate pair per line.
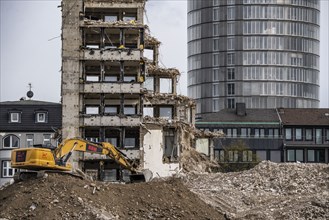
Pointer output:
x,y
264,53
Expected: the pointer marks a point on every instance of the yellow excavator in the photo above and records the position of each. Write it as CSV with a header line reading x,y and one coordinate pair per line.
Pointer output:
x,y
35,161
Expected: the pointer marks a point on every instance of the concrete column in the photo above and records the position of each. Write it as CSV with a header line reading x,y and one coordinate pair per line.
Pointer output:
x,y
211,149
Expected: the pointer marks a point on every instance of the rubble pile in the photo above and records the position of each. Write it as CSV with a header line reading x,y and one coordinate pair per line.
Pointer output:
x,y
67,197
268,191
193,161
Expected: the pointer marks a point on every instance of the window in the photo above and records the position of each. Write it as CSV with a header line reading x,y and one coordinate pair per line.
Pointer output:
x,y
129,79
262,132
148,111
215,105
295,155
170,149
230,13
230,43
298,134
308,134
129,110
230,59
7,171
166,112
270,132
110,78
327,134
165,85
232,132
230,103
230,28
46,139
113,141
230,73
316,156
215,74
149,83
276,133
111,110
233,156
247,156
29,140
129,142
92,78
245,132
10,141
92,110
111,18
318,136
41,117
215,89
230,89
288,133
216,44
15,117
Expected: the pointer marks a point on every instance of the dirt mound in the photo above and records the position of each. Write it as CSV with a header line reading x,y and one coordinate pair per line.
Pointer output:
x,y
268,191
66,197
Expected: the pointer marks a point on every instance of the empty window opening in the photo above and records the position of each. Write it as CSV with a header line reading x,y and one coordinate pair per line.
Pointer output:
x,y
165,85
129,110
149,83
92,110
148,111
170,153
166,112
111,110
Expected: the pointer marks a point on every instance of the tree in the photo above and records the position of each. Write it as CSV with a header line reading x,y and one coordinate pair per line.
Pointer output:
x,y
237,157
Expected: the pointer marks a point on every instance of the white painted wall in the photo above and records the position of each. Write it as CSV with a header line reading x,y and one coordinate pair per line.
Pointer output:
x,y
202,146
153,152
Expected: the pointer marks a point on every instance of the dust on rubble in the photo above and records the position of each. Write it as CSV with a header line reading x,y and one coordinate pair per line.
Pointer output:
x,y
268,191
67,197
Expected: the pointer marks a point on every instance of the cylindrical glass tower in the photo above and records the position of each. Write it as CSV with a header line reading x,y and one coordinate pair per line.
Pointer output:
x,y
264,53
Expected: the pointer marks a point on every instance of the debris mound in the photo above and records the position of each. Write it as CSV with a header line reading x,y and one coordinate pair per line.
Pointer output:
x,y
67,197
268,191
193,161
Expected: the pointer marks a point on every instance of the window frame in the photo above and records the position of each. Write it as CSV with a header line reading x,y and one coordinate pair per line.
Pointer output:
x,y
46,140
300,132
37,114
306,134
290,135
29,139
12,113
7,168
10,141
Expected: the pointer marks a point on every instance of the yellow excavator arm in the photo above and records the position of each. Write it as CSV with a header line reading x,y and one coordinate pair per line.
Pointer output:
x,y
65,149
36,159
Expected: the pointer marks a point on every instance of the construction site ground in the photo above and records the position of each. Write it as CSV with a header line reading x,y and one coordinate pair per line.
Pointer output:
x,y
268,191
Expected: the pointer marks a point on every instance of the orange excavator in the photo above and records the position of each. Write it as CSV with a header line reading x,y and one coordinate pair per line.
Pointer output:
x,y
38,160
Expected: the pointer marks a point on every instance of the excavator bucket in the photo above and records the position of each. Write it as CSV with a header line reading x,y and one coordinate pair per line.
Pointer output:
x,y
145,176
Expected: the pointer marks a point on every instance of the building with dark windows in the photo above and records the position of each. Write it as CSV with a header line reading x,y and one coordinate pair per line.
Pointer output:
x,y
26,123
258,129
264,53
306,135
279,135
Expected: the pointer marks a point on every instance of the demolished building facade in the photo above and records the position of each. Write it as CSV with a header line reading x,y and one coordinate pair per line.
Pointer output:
x,y
112,93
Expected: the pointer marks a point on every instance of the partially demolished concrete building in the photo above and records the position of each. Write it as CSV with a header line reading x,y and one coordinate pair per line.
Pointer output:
x,y
112,93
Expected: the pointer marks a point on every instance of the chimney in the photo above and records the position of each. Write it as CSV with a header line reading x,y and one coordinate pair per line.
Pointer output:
x,y
241,109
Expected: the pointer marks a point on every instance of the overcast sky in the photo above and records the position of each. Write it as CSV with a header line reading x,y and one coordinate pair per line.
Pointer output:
x,y
31,47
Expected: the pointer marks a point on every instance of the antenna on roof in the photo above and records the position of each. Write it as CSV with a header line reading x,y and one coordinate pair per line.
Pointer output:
x,y
30,94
